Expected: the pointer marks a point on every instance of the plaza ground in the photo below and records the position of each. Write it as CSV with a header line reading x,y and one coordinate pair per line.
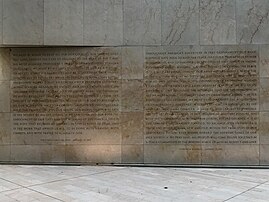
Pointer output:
x,y
114,183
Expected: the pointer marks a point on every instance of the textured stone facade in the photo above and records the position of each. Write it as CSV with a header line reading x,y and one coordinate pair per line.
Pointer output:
x,y
171,81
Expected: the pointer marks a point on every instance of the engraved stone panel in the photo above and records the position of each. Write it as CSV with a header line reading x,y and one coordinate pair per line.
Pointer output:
x,y
37,64
229,79
66,96
172,127
37,96
38,128
187,88
165,105
171,79
93,128
229,128
231,154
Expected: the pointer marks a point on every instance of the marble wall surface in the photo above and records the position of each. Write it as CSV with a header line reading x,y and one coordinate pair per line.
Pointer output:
x,y
154,105
129,22
134,81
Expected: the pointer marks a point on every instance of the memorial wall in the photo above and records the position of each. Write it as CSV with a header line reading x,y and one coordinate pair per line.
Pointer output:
x,y
152,105
177,82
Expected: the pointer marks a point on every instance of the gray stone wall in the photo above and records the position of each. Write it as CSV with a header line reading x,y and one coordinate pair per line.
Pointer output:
x,y
169,81
129,22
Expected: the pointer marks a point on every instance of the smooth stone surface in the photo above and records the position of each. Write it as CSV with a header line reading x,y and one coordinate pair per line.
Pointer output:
x,y
133,62
264,149
63,22
23,22
234,154
142,22
252,21
172,154
6,186
5,96
132,154
24,195
1,21
132,127
41,174
217,22
103,22
252,194
37,128
264,128
264,94
5,128
37,153
5,67
132,95
93,154
5,153
81,183
180,22
264,60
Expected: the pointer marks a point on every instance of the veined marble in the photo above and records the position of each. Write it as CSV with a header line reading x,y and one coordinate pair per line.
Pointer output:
x,y
142,22
217,22
180,22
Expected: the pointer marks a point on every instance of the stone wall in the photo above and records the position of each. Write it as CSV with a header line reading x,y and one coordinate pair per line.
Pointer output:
x,y
171,81
165,105
133,22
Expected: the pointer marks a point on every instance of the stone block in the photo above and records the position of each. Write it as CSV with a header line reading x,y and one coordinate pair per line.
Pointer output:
x,y
63,22
217,22
142,22
23,22
132,95
132,154
180,22
133,62
252,21
93,154
103,22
